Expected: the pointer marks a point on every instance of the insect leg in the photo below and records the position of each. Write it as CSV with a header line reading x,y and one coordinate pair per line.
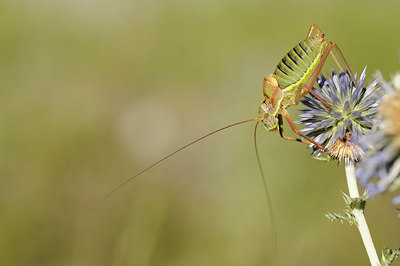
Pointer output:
x,y
299,95
332,44
308,85
310,82
337,62
316,72
295,130
312,29
280,121
310,90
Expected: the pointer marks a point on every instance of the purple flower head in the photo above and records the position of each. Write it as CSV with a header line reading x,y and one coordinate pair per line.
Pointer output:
x,y
352,114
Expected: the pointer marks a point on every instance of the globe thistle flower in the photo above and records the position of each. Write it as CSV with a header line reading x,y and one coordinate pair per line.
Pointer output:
x,y
352,113
379,170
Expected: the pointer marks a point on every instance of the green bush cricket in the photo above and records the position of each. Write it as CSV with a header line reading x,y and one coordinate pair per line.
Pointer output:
x,y
292,79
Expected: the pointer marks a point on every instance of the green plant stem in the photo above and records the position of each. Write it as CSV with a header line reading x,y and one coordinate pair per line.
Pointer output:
x,y
359,216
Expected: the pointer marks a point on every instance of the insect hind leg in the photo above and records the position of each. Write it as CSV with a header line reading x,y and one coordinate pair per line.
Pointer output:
x,y
310,82
347,67
312,29
315,28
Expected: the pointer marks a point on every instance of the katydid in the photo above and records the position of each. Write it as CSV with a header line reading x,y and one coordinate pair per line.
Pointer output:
x,y
293,79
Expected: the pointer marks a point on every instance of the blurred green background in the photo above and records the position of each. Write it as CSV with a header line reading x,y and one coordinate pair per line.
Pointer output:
x,y
94,91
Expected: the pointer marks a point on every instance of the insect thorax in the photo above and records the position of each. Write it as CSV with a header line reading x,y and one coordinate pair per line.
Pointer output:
x,y
267,114
271,105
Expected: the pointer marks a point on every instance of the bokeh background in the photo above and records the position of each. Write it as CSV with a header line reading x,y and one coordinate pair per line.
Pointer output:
x,y
94,91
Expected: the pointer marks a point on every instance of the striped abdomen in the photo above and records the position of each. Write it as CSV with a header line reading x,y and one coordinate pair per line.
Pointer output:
x,y
299,64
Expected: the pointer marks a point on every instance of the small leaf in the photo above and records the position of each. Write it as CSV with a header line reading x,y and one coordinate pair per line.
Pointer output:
x,y
391,255
346,216
326,158
356,203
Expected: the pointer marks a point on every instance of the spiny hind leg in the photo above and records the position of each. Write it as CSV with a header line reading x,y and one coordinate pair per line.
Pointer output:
x,y
310,82
312,29
295,130
341,68
337,62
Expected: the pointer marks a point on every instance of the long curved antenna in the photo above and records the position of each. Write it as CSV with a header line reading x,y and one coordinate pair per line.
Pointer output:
x,y
166,157
267,194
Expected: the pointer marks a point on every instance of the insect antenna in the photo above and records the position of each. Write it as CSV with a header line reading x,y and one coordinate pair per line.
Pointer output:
x,y
267,194
166,157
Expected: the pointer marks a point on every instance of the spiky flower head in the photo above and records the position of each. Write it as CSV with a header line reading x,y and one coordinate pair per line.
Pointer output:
x,y
379,170
351,114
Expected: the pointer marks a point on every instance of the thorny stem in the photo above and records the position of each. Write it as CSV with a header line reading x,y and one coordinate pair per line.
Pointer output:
x,y
359,216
